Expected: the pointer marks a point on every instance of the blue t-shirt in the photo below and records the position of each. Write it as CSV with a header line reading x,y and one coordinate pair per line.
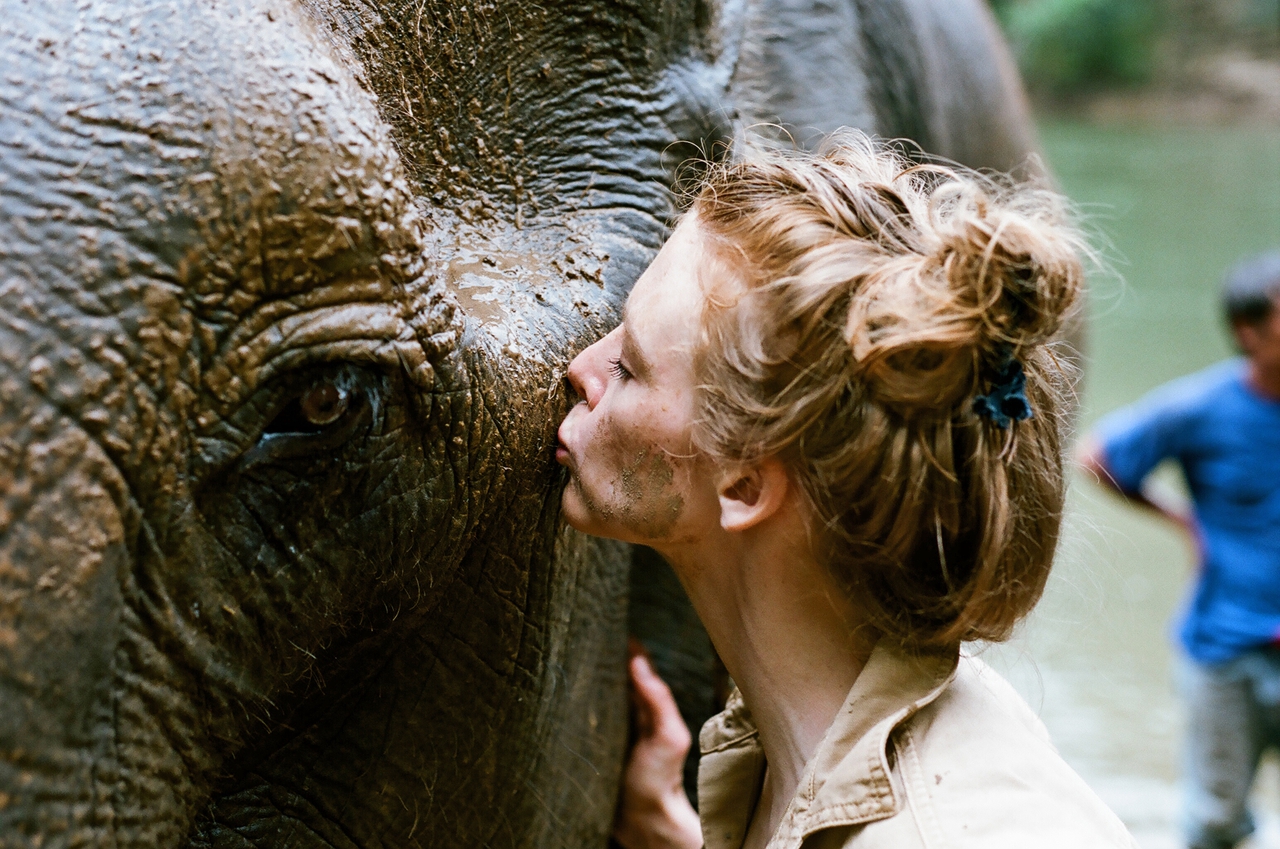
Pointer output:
x,y
1226,438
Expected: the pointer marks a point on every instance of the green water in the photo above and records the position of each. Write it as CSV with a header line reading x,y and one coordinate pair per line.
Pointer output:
x,y
1174,207
1179,207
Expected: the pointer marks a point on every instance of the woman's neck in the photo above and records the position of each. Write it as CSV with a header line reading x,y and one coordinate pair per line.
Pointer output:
x,y
786,633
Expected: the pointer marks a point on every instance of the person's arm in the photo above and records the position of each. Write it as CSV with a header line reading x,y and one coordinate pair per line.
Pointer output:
x,y
653,810
1092,459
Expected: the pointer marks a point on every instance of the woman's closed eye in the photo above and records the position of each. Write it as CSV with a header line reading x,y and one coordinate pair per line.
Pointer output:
x,y
618,370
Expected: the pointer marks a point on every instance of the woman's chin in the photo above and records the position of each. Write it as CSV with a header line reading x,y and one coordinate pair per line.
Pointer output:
x,y
576,522
577,513
581,517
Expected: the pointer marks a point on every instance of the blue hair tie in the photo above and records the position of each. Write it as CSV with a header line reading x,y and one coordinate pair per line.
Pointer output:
x,y
1007,400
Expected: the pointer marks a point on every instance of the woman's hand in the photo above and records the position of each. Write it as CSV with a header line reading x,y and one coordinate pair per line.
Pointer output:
x,y
653,811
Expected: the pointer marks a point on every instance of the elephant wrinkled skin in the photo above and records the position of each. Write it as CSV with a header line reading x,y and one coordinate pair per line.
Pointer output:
x,y
287,290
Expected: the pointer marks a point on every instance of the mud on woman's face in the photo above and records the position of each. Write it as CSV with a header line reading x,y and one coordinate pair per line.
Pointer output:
x,y
633,471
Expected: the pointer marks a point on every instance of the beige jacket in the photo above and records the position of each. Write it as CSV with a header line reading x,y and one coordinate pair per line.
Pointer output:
x,y
926,753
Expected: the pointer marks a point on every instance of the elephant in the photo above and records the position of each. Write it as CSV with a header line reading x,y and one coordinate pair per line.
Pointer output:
x,y
287,293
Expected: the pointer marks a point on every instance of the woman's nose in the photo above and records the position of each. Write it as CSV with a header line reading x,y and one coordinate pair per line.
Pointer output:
x,y
587,377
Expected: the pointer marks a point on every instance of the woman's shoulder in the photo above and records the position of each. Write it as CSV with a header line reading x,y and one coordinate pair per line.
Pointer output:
x,y
977,768
978,699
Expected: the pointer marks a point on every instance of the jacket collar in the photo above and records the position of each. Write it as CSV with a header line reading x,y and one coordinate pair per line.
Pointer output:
x,y
847,781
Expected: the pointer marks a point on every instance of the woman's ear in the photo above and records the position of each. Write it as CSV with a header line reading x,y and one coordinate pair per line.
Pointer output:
x,y
750,494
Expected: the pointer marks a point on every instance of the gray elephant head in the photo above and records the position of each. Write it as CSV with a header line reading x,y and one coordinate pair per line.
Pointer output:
x,y
287,290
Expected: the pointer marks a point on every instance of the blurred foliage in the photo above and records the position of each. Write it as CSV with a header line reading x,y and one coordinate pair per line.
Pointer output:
x,y
1070,46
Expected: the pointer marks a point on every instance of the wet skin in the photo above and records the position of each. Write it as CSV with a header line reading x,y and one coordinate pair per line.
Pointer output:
x,y
287,292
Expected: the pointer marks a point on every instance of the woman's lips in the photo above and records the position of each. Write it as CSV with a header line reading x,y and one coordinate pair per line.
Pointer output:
x,y
563,456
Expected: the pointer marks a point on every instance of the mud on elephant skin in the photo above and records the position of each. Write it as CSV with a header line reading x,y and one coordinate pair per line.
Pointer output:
x,y
286,295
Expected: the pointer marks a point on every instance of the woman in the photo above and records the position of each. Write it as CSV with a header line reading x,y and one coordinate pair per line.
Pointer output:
x,y
834,406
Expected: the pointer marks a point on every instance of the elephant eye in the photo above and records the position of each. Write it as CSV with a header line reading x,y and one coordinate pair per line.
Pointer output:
x,y
323,404
317,417
319,406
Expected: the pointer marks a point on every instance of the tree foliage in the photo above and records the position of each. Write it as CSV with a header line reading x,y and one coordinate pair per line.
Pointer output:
x,y
1069,46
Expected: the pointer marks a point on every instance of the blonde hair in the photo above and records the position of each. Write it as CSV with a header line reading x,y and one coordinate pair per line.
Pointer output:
x,y
870,300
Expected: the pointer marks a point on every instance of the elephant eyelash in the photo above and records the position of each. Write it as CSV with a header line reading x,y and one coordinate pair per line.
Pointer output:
x,y
618,369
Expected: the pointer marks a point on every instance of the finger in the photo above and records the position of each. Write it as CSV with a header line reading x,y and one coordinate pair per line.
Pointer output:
x,y
641,707
642,714
654,698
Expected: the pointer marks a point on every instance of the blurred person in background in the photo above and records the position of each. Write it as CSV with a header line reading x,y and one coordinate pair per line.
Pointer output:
x,y
1222,427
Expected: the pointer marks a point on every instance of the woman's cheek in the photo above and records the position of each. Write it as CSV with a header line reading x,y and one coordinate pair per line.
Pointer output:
x,y
598,452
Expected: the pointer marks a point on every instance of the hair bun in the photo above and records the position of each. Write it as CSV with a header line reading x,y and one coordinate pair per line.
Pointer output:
x,y
1025,273
996,278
